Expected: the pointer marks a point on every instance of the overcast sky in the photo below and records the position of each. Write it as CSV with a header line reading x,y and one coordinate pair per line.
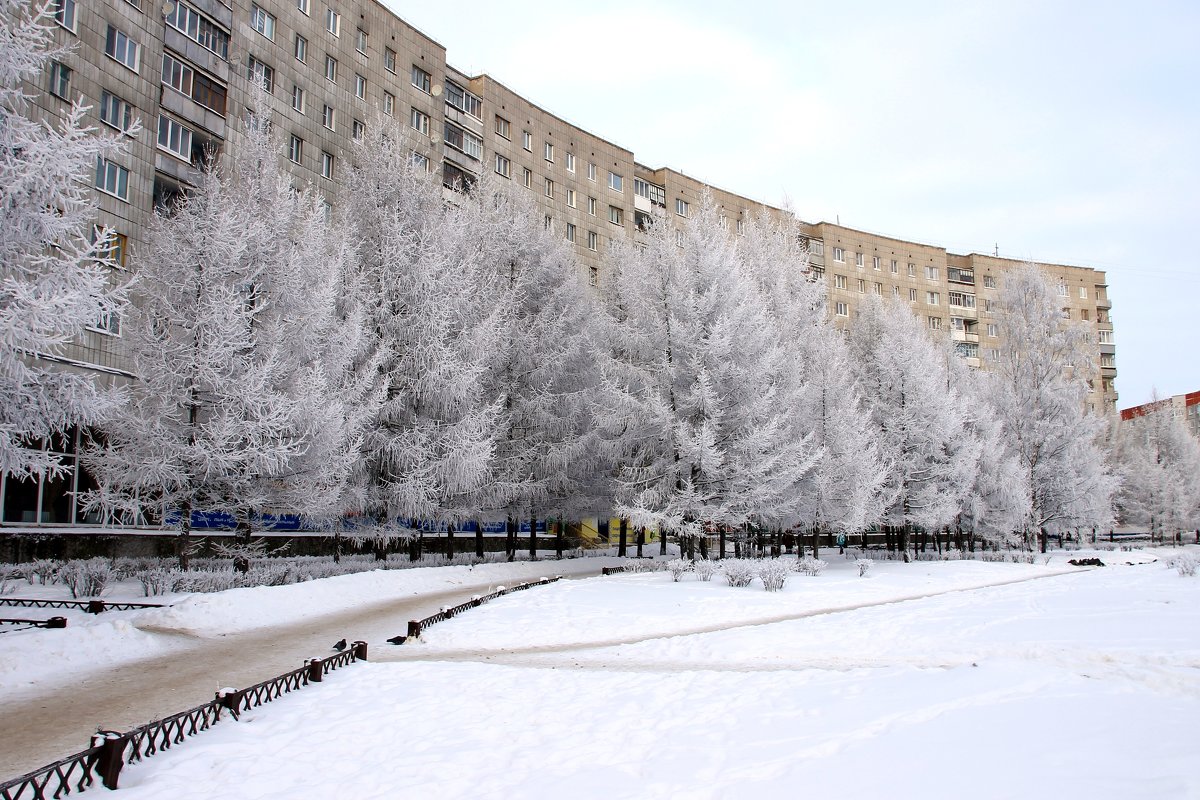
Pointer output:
x,y
1057,131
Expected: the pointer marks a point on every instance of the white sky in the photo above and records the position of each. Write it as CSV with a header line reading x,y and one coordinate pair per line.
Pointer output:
x,y
1058,131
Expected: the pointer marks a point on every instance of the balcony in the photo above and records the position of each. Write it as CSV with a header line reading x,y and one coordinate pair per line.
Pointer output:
x,y
964,336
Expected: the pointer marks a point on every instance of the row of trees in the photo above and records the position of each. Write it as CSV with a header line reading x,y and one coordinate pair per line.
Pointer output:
x,y
404,360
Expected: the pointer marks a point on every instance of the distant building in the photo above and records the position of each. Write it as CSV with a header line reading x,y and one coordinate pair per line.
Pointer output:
x,y
1184,406
184,68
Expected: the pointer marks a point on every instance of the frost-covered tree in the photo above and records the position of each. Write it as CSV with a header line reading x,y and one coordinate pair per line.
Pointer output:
x,y
54,273
438,311
1159,465
843,493
240,351
692,385
919,416
1044,361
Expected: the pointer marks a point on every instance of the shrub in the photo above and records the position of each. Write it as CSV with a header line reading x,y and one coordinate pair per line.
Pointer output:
x,y
87,578
704,569
677,567
739,571
44,569
774,573
808,565
864,566
155,581
1185,564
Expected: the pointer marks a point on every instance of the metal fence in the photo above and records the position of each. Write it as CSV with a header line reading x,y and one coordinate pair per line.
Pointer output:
x,y
90,606
111,750
416,626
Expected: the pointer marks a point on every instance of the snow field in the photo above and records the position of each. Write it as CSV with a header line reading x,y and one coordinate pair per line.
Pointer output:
x,y
1079,685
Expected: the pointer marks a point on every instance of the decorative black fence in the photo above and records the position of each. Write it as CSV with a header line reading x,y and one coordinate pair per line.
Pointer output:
x,y
612,570
111,751
90,606
53,622
416,626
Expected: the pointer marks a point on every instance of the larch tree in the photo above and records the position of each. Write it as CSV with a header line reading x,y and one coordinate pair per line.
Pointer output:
x,y
55,269
232,331
1044,361
919,418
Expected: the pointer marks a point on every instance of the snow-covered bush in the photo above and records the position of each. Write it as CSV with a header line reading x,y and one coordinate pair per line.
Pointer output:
x,y
9,575
44,569
739,571
774,573
156,581
1185,564
642,565
677,567
87,578
807,565
864,566
704,569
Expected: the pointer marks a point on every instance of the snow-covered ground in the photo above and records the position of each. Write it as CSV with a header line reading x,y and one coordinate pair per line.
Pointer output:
x,y
911,682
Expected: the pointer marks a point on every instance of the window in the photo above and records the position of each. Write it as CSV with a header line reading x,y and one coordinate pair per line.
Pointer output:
x,y
501,126
464,101
912,270
302,6
549,188
549,222
357,128
1106,337
616,215
419,121
112,178
260,73
177,74
681,207
326,165
571,198
931,273
839,254
879,288
389,103
895,266
360,87
839,281
295,149
109,323
570,162
858,260
464,140
875,262
300,49
912,295
592,206
64,13
333,21
60,80
593,242
987,305
389,60
421,79
262,22
1084,314
1110,360
1083,293
570,232
989,281
121,48
935,323
932,298
209,93
113,251
961,299
966,349
420,160
549,152
115,112
360,41
591,171
862,286
298,99
741,228
616,182
328,116
503,166
527,140
190,23
842,310
993,354
992,330
1062,290
527,177
330,69
895,291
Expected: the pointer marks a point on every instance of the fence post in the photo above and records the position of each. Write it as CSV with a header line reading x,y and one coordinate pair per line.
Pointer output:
x,y
315,670
232,700
111,757
95,607
56,622
360,650
414,628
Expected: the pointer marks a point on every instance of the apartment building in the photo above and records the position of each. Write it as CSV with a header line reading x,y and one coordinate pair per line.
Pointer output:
x,y
1184,406
186,68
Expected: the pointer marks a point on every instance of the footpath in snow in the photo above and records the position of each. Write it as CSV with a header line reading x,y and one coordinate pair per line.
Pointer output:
x,y
1080,684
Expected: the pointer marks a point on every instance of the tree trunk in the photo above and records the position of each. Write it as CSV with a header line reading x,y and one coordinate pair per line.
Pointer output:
x,y
414,546
450,541
691,548
641,539
185,535
1042,537
623,527
703,537
816,541
559,540
510,538
241,540
904,538
381,548
479,539
721,543
662,542
532,538
337,546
